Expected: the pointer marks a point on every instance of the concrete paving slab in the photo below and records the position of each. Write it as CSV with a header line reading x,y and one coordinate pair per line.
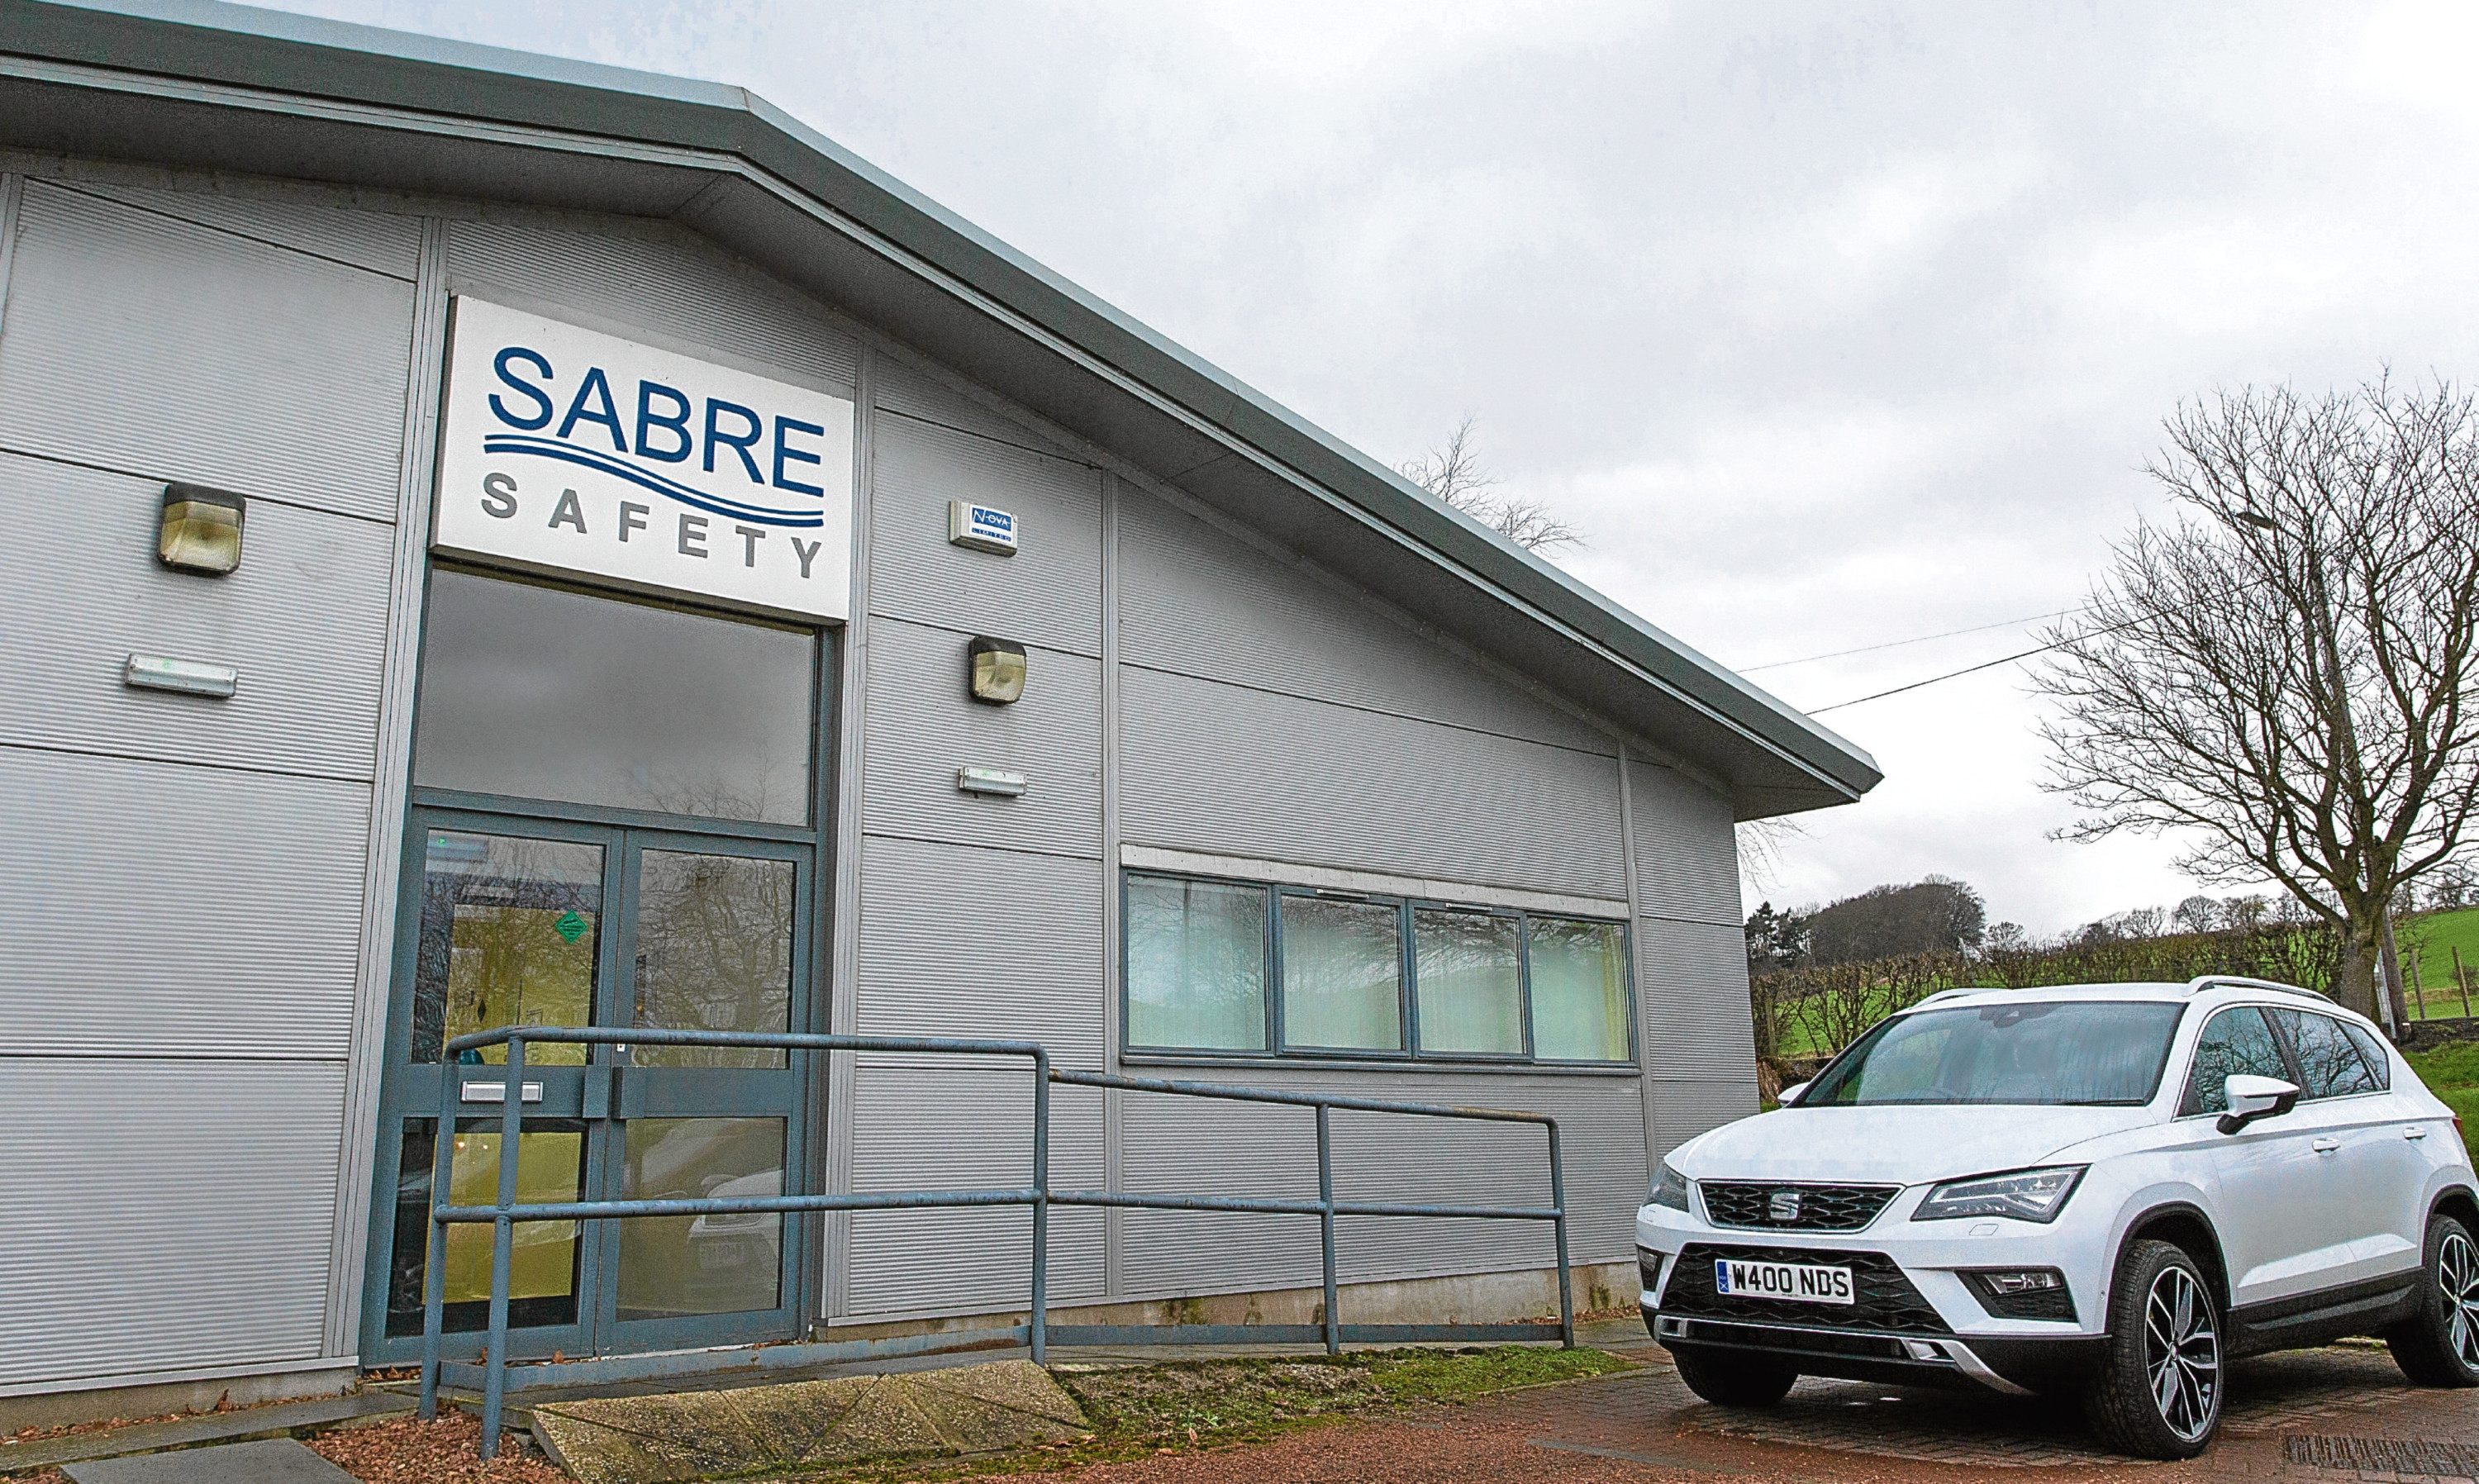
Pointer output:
x,y
1020,1386
283,1420
269,1461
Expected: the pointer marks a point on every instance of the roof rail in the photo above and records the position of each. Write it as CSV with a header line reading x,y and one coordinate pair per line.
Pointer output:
x,y
1947,994
2202,981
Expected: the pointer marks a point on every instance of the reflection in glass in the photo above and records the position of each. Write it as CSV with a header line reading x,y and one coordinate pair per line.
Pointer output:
x,y
1342,974
543,693
714,953
1579,990
672,1266
541,1274
1467,974
2328,1064
2237,1043
509,931
1196,964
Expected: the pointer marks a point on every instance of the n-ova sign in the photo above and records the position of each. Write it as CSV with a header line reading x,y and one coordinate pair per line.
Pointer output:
x,y
578,451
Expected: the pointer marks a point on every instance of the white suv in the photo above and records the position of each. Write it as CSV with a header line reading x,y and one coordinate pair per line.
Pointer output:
x,y
2108,1190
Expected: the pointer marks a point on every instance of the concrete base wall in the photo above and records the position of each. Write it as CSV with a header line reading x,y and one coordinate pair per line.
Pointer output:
x,y
155,1398
1470,1298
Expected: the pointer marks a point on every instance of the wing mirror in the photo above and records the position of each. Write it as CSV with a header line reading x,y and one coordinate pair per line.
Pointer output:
x,y
1790,1094
2254,1097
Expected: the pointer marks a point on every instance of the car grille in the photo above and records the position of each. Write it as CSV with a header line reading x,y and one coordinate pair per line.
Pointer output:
x,y
1822,1208
1885,1302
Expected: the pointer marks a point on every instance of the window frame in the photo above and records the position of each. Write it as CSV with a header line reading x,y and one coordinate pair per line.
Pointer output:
x,y
1412,1056
2298,1062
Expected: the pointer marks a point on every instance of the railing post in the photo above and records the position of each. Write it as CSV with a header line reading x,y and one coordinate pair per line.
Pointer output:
x,y
434,1280
1040,1325
1325,1224
494,1380
1558,1203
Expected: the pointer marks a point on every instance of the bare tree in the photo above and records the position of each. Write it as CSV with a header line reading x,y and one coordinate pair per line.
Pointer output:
x,y
1454,476
2278,675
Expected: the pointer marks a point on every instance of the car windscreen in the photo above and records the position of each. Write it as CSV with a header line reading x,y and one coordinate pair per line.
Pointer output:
x,y
2070,1051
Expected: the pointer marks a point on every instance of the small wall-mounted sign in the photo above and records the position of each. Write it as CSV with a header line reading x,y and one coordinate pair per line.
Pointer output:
x,y
155,672
989,780
980,527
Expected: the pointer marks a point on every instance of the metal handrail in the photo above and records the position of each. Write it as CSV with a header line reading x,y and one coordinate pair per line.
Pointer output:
x,y
507,1211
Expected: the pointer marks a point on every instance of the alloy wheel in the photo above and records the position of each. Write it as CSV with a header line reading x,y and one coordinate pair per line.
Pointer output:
x,y
2457,1276
2181,1351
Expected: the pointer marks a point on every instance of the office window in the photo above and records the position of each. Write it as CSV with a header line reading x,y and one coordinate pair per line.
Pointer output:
x,y
1196,964
1249,969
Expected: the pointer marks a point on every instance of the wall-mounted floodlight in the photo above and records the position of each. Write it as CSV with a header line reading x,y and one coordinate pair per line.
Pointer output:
x,y
998,672
200,529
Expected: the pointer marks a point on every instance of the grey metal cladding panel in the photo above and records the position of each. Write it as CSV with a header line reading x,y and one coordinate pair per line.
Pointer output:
x,y
695,295
1241,772
304,621
1201,601
148,907
1177,1146
1049,593
381,242
958,941
1682,1110
1686,848
923,726
163,1214
920,1127
904,388
140,343
1691,982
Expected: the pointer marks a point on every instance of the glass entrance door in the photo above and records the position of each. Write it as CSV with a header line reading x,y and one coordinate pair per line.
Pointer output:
x,y
659,886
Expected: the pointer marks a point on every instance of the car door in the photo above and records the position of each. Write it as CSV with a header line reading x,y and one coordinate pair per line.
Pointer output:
x,y
2274,1215
2370,1175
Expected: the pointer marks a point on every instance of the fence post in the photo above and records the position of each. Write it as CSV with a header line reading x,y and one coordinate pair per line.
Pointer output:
x,y
1325,1224
1558,1202
494,1380
434,1280
2461,977
1040,1325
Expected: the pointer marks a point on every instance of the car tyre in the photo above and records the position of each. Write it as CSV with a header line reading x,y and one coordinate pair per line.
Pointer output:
x,y
1731,1378
2157,1394
2440,1346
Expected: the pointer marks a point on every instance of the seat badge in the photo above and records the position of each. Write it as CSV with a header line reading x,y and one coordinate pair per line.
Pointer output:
x,y
1785,1206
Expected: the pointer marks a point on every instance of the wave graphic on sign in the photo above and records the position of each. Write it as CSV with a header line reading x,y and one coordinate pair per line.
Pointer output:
x,y
553,449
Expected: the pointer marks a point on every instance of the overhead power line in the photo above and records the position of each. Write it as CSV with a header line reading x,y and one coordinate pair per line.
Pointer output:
x,y
1896,644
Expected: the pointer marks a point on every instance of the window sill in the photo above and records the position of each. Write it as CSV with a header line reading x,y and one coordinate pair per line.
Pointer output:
x,y
1430,1065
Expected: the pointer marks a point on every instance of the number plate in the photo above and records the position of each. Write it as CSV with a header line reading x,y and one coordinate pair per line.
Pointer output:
x,y
1793,1282
712,1255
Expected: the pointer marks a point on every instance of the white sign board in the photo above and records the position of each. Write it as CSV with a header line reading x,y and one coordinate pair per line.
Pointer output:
x,y
573,450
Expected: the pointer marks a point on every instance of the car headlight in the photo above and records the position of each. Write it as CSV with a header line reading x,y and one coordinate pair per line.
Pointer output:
x,y
1670,1189
2024,1194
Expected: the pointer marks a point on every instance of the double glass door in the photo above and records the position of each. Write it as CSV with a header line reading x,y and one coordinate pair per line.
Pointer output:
x,y
572,924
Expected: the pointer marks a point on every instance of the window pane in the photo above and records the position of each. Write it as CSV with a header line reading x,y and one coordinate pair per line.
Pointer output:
x,y
672,1266
1342,974
1579,990
714,953
2328,1064
542,1272
1469,980
543,693
2380,1065
2236,1043
1196,964
509,928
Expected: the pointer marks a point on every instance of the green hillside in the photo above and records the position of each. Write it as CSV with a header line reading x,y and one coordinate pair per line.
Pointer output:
x,y
2452,1073
2436,935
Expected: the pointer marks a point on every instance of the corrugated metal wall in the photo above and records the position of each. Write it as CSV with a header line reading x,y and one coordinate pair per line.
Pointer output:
x,y
181,879
1691,957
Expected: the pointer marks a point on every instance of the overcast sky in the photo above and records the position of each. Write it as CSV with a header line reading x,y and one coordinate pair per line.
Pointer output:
x,y
1831,324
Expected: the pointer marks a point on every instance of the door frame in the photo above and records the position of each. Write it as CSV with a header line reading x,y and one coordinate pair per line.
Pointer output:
x,y
815,930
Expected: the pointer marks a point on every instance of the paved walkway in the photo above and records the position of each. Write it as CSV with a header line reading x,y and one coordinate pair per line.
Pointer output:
x,y
2320,1417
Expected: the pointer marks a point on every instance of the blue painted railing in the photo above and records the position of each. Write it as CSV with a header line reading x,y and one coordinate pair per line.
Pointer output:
x,y
1037,1331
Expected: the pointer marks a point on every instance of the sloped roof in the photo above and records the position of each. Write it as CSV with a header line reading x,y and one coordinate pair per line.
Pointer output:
x,y
200,85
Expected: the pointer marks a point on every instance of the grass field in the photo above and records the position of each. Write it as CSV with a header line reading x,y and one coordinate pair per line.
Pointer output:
x,y
2452,1073
2437,935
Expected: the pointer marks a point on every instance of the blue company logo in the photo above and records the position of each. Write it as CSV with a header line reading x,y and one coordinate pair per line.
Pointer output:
x,y
666,432
996,522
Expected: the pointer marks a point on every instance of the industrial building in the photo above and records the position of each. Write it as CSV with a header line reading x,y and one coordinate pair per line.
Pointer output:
x,y
498,539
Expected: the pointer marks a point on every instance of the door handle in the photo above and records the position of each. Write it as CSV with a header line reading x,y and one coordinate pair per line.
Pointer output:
x,y
2414,1132
2325,1145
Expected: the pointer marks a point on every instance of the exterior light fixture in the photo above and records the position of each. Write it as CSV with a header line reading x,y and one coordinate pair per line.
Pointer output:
x,y
998,672
200,529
